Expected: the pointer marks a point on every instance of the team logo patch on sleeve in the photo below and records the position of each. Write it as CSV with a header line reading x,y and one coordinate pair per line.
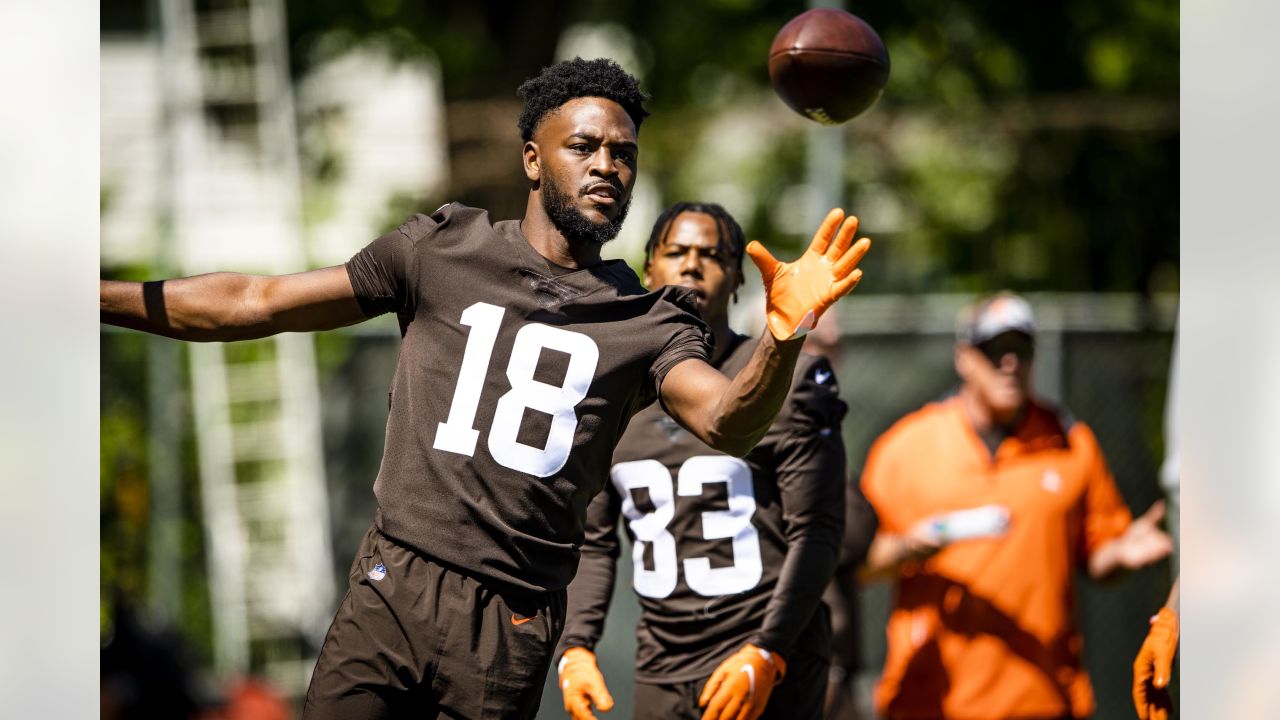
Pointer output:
x,y
378,572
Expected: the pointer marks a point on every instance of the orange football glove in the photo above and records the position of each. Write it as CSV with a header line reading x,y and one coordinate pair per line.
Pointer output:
x,y
798,293
1153,666
739,689
582,684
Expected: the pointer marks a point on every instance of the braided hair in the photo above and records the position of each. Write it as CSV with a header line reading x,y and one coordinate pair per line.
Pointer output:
x,y
733,241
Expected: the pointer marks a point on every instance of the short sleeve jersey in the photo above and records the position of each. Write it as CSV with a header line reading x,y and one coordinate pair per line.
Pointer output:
x,y
986,628
513,385
710,532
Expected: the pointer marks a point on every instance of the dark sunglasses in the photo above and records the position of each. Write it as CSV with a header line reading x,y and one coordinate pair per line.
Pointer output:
x,y
1016,343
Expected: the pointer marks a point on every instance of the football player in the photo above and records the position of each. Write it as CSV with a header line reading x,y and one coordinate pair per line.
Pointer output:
x,y
523,357
730,555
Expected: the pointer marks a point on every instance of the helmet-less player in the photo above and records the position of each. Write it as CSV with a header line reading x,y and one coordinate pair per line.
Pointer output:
x,y
731,555
523,357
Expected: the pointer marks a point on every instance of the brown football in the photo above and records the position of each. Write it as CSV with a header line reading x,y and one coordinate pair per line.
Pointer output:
x,y
828,65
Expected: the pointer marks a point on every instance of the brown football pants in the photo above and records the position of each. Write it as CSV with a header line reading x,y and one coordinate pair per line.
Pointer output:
x,y
413,638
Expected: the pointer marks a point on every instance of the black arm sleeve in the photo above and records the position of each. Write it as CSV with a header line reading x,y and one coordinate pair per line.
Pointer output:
x,y
811,470
592,588
842,595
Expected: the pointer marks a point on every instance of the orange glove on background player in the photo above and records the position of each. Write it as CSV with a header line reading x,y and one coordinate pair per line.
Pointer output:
x,y
740,687
1153,666
582,684
796,294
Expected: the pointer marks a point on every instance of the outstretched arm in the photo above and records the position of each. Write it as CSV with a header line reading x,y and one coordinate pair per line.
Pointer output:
x,y
231,306
732,415
890,551
1142,544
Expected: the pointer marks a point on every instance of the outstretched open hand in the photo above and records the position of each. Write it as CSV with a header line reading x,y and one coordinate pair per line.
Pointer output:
x,y
1144,542
797,293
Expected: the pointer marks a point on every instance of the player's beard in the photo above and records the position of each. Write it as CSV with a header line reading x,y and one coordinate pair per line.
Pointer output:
x,y
569,220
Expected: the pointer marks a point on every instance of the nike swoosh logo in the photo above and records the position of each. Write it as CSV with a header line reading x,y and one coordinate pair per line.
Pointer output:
x,y
520,621
751,680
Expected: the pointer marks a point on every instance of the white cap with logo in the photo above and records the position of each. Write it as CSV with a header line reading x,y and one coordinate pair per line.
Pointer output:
x,y
992,316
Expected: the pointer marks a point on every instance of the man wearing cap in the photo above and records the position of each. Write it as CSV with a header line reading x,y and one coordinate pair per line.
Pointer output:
x,y
988,500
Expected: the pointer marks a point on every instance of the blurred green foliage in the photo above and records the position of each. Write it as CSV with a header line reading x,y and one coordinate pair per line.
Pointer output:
x,y
1024,146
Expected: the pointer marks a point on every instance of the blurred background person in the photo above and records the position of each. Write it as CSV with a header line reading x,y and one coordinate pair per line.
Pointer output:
x,y
146,671
988,501
150,672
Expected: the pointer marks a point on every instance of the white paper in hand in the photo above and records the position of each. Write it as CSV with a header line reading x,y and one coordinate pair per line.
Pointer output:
x,y
980,522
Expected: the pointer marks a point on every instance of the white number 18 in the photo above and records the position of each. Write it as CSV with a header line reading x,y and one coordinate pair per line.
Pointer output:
x,y
457,433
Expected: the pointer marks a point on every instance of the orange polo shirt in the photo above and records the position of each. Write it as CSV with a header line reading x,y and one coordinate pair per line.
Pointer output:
x,y
983,630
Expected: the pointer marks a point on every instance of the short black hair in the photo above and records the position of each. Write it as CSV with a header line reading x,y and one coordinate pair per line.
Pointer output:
x,y
558,84
732,239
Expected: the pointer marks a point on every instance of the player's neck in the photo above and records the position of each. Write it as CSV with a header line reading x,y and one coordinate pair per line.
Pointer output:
x,y
982,416
550,243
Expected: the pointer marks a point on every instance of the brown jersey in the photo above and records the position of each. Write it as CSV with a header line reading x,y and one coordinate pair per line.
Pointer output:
x,y
513,385
724,550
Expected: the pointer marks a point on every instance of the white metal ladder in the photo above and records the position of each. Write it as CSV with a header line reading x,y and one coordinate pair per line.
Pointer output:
x,y
235,204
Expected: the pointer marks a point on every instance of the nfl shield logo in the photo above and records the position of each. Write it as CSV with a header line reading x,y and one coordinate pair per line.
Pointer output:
x,y
378,572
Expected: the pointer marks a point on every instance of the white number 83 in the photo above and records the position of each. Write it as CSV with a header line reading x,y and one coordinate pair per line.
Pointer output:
x,y
650,529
